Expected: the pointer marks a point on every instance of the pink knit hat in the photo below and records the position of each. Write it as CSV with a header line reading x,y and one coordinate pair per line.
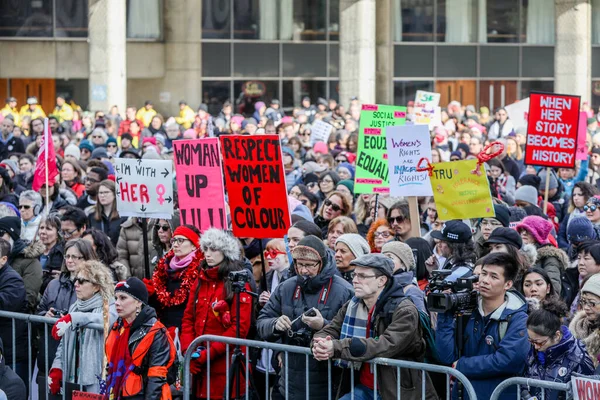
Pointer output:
x,y
537,227
320,147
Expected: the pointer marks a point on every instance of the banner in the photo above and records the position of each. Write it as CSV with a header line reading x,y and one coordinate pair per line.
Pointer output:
x,y
320,132
582,149
585,388
200,182
77,395
459,193
371,161
406,146
424,110
256,186
46,159
552,130
144,188
517,112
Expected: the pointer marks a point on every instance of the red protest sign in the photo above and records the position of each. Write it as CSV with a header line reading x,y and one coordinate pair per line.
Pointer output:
x,y
552,130
200,182
255,182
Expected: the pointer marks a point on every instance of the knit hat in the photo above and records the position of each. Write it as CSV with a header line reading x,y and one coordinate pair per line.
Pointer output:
x,y
310,248
85,144
310,167
133,153
505,236
517,214
528,194
309,228
530,180
12,226
502,214
10,164
187,233
387,201
190,134
348,166
151,154
111,140
348,183
309,178
356,243
402,251
286,150
592,285
249,121
220,240
99,153
537,227
375,261
580,229
553,181
135,288
320,147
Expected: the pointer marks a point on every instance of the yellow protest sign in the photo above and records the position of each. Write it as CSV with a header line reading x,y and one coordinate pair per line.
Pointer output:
x,y
459,193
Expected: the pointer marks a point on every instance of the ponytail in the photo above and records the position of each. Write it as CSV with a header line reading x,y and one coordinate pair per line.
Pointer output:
x,y
546,320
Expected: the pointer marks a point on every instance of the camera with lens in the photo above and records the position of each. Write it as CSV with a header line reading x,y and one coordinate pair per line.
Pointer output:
x,y
462,300
241,277
302,337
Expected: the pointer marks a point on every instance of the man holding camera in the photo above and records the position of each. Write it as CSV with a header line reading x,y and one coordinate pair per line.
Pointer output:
x,y
297,309
379,321
454,242
494,344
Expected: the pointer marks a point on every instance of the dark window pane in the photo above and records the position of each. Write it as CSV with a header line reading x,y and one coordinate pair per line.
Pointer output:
x,y
334,19
457,21
143,19
75,89
334,90
334,60
267,20
499,62
538,22
252,59
260,91
595,94
309,19
456,61
304,60
71,18
503,21
416,18
216,59
214,94
245,19
540,86
413,61
405,91
538,62
596,62
293,91
26,18
216,21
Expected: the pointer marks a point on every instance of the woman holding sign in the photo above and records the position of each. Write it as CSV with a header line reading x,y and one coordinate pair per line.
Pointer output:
x,y
105,216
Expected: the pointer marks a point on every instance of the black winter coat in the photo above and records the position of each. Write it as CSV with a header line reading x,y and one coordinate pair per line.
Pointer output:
x,y
12,298
54,263
111,228
10,383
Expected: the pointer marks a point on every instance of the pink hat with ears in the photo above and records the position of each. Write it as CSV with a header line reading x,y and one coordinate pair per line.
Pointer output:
x,y
537,227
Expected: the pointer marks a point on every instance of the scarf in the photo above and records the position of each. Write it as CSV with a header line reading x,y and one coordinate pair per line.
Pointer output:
x,y
118,363
177,263
355,325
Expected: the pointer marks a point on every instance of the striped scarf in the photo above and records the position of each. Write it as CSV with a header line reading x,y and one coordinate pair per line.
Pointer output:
x,y
354,325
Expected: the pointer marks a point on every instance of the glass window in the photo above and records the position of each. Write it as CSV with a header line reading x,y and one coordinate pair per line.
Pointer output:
x,y
216,21
456,61
413,61
414,22
595,62
405,91
499,61
71,18
26,18
309,18
143,19
595,22
457,21
294,91
247,93
334,19
246,18
214,94
334,90
216,59
334,60
304,60
256,59
538,62
596,95
540,86
502,21
74,89
265,20
539,17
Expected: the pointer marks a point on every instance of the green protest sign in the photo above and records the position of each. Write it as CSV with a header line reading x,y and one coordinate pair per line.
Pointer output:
x,y
371,162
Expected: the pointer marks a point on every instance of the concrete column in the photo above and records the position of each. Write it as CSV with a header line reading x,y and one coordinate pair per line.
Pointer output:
x,y
357,50
573,51
106,37
384,90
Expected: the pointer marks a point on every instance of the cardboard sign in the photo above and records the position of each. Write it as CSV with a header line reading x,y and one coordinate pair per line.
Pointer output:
x,y
144,188
459,193
582,149
425,107
406,146
320,132
77,395
552,130
371,161
200,183
256,187
517,112
585,388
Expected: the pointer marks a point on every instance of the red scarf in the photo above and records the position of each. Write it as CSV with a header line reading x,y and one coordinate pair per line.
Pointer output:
x,y
119,362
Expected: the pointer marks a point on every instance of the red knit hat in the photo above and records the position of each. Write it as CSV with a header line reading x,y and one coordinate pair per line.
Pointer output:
x,y
188,234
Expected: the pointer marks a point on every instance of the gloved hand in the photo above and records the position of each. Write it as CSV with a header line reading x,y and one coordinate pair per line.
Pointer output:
x,y
149,286
195,367
55,380
60,327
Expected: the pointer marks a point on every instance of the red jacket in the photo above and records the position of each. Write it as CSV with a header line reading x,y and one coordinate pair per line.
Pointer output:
x,y
206,321
124,127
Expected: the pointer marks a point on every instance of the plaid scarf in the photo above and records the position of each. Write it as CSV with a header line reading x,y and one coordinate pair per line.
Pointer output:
x,y
354,325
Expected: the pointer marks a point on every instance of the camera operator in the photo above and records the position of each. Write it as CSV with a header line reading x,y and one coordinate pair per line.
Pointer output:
x,y
316,289
377,322
494,344
455,242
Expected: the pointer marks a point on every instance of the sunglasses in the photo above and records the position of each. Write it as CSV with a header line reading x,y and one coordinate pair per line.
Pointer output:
x,y
111,145
81,281
334,207
590,208
398,220
21,207
164,228
273,253
311,185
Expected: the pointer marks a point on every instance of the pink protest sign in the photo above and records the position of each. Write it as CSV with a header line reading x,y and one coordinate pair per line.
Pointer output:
x,y
582,150
200,182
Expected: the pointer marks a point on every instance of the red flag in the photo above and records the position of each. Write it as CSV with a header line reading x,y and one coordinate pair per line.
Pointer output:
x,y
45,167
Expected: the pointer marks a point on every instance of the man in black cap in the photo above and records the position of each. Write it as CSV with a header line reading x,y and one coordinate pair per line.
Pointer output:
x,y
455,242
309,109
274,112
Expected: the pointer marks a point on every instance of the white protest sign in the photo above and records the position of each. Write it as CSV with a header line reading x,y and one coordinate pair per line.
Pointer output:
x,y
144,188
517,112
406,145
585,388
320,132
425,107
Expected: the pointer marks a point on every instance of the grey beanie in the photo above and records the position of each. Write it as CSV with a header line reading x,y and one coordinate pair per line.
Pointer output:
x,y
527,193
402,251
553,181
375,261
220,240
356,243
592,285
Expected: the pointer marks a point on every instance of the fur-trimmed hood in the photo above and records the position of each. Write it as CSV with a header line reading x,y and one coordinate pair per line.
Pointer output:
x,y
551,251
587,331
530,254
121,272
220,240
32,250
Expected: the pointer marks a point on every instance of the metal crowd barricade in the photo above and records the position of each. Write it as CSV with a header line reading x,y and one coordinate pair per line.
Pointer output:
x,y
47,323
287,349
562,387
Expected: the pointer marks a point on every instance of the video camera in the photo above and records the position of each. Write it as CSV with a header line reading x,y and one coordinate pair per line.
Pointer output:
x,y
239,277
462,300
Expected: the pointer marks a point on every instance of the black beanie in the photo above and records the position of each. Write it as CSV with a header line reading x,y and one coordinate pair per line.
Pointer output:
x,y
531,180
502,215
12,226
133,287
309,228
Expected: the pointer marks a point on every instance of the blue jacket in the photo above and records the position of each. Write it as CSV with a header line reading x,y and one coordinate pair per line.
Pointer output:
x,y
486,360
558,362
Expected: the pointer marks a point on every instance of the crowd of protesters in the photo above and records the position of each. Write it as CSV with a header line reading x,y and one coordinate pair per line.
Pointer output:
x,y
337,283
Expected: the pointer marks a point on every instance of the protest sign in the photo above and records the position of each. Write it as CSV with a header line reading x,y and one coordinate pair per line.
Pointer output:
x,y
517,112
582,149
320,132
371,162
77,395
406,146
425,106
459,193
585,388
144,188
200,182
552,130
255,181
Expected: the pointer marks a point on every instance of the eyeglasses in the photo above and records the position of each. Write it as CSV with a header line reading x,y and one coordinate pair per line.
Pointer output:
x,y
384,235
164,228
590,208
179,241
81,281
340,160
91,180
325,181
68,234
306,266
362,277
538,344
273,253
334,207
111,145
73,257
23,206
398,220
586,302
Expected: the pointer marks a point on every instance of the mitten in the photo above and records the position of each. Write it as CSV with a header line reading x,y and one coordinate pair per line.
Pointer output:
x,y
221,306
55,380
61,326
149,286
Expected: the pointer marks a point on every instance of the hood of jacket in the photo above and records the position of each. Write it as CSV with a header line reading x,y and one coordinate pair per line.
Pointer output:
x,y
146,314
392,290
314,284
551,251
26,249
530,255
404,278
514,303
121,271
558,350
68,196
